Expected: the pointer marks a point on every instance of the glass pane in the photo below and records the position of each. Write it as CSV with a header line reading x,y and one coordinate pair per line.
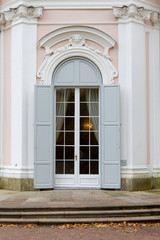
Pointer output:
x,y
69,138
94,95
84,123
84,167
60,109
94,109
84,138
94,123
69,124
60,123
84,95
59,152
94,138
69,97
84,111
69,167
84,152
69,109
94,152
69,152
59,138
60,95
59,167
94,167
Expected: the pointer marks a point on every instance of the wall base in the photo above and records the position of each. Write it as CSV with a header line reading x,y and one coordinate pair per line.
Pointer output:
x,y
17,184
127,184
139,184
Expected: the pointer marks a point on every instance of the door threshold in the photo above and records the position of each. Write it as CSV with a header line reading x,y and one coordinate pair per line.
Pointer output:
x,y
77,188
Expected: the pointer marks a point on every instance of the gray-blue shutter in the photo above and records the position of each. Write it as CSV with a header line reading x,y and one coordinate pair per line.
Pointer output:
x,y
43,163
110,137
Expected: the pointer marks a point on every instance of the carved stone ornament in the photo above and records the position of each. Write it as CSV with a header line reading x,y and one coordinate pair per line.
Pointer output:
x,y
155,17
2,19
131,11
76,41
23,11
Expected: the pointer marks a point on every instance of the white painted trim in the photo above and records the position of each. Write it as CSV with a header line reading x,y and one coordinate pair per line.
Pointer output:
x,y
80,23
135,172
90,33
10,172
1,96
79,4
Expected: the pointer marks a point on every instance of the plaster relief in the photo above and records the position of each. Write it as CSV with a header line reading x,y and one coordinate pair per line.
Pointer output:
x,y
23,11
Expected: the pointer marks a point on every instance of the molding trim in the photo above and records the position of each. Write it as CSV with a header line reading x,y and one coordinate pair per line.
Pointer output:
x,y
89,33
131,12
76,46
135,172
16,172
23,11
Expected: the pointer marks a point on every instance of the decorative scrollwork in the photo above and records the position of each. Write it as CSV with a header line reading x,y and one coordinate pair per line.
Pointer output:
x,y
23,11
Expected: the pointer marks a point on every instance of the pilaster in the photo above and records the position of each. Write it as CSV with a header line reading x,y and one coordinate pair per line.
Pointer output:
x,y
23,77
132,79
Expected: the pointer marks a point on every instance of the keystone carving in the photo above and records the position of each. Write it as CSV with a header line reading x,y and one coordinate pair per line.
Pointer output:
x,y
23,11
76,40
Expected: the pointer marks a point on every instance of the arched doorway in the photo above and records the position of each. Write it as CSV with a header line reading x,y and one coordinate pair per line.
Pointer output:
x,y
67,74
77,85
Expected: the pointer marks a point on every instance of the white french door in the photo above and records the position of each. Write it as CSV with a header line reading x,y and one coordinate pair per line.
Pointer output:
x,y
77,139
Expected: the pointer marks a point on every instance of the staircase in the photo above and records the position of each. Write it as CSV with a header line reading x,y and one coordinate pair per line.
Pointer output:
x,y
147,213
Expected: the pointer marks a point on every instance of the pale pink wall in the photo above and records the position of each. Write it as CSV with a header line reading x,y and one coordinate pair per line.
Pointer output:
x,y
7,99
154,1
3,2
59,17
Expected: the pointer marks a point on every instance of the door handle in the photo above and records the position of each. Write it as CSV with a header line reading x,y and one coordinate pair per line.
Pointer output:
x,y
75,157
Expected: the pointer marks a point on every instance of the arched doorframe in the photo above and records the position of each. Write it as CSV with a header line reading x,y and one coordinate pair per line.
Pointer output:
x,y
77,75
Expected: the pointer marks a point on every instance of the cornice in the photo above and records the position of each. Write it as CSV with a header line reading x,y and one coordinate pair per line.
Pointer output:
x,y
131,12
79,4
22,11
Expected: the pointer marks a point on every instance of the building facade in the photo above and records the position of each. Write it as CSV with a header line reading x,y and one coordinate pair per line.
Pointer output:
x,y
79,94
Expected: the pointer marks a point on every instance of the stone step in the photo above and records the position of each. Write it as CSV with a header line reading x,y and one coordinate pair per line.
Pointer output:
x,y
88,208
81,213
52,221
